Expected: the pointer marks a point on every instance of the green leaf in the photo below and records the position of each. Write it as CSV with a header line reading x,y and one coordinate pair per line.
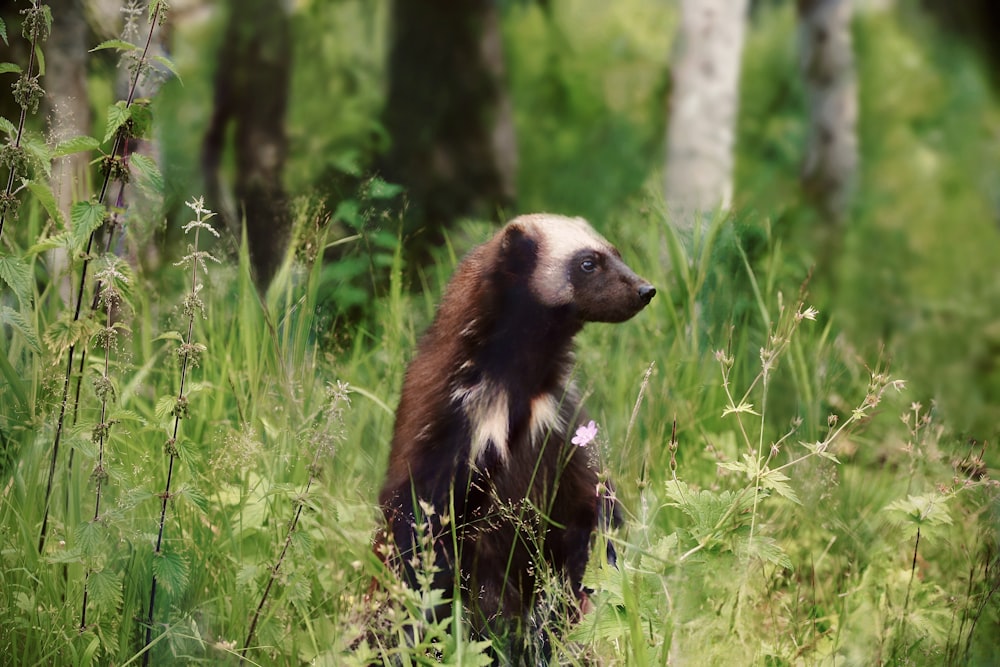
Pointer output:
x,y
195,497
149,174
170,335
66,332
927,510
40,57
141,115
90,537
43,193
62,240
163,408
105,589
117,44
86,217
3,32
778,481
118,115
169,64
8,127
10,67
171,570
19,323
379,189
76,145
769,551
348,212
17,275
36,147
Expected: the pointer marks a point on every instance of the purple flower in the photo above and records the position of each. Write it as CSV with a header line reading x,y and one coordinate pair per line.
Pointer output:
x,y
585,434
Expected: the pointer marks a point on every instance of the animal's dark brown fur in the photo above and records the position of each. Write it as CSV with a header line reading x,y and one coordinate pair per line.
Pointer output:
x,y
487,412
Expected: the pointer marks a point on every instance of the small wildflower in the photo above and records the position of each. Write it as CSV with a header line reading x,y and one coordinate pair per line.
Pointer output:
x,y
809,313
585,434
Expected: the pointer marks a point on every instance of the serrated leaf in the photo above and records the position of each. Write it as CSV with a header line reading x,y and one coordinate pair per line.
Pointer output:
x,y
118,115
90,537
16,273
39,151
929,509
43,193
3,32
10,67
149,174
195,497
7,127
105,589
247,576
141,114
188,451
117,44
75,145
778,482
164,406
65,332
768,550
85,217
171,570
20,323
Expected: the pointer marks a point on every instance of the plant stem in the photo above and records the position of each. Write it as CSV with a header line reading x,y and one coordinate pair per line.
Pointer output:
x,y
118,144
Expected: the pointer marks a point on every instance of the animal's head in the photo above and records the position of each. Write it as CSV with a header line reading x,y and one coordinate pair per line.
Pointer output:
x,y
568,264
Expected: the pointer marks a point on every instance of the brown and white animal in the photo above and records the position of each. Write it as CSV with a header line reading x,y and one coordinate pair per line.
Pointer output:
x,y
481,455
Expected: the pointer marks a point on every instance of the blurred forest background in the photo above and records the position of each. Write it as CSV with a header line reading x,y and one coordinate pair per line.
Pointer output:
x,y
864,138
353,149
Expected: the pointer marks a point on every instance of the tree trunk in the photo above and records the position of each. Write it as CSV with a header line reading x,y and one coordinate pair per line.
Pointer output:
x,y
704,101
251,92
449,115
827,65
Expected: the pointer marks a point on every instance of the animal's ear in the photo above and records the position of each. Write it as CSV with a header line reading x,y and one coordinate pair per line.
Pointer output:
x,y
518,250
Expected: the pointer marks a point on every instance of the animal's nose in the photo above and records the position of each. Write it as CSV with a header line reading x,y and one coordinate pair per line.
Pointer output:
x,y
646,293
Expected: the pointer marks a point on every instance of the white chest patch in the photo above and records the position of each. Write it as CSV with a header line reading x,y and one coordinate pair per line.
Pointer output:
x,y
488,412
487,408
545,417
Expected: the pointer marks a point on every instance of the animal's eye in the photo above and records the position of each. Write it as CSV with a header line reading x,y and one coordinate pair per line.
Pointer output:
x,y
588,265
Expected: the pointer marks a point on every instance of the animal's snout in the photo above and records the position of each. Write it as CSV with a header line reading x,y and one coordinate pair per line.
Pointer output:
x,y
646,293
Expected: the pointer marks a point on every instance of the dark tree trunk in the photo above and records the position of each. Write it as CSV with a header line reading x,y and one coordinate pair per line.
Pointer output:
x,y
251,92
449,116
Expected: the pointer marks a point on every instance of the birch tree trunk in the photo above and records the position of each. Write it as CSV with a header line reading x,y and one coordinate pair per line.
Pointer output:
x,y
704,101
827,66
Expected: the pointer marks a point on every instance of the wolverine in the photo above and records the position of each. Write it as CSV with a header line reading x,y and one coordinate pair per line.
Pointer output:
x,y
483,479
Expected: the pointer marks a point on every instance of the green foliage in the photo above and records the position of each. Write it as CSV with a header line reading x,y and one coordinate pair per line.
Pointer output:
x,y
777,512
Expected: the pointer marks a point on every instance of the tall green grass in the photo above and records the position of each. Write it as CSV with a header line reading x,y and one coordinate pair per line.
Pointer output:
x,y
788,500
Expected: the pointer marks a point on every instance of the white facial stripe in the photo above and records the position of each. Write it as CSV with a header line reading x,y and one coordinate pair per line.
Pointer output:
x,y
559,239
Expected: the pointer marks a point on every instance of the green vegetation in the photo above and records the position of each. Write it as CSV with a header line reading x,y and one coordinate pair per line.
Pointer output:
x,y
802,487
